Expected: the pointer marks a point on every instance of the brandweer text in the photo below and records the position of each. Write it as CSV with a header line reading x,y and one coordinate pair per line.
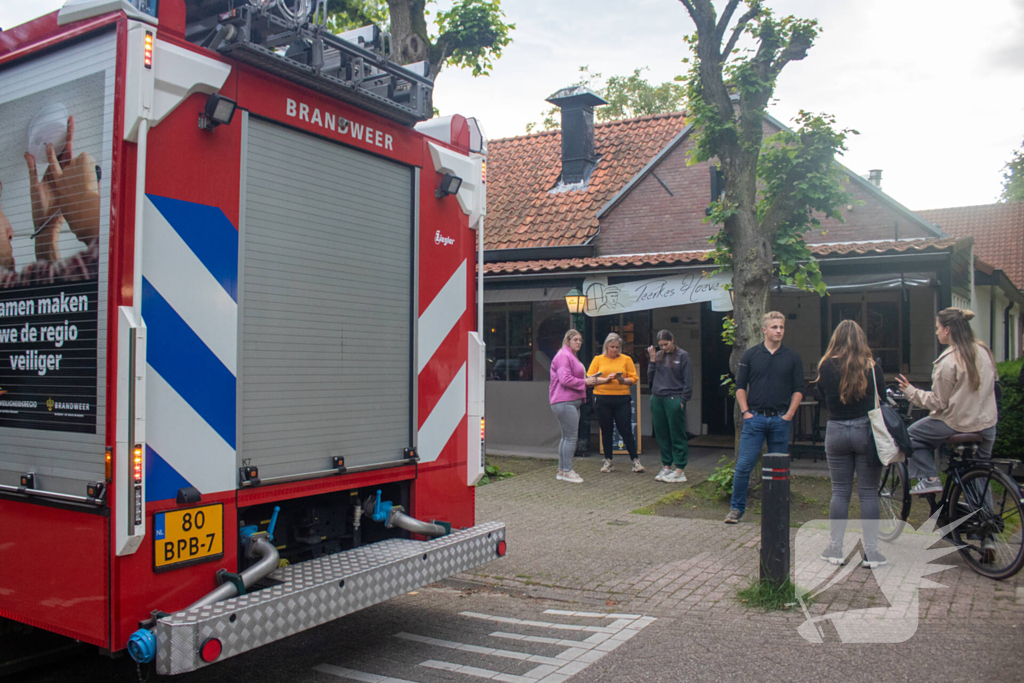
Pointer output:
x,y
338,124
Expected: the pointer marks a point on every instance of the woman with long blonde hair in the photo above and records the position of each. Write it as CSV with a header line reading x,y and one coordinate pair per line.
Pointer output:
x,y
848,378
566,392
962,398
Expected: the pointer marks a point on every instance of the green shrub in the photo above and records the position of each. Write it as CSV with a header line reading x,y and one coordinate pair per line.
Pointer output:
x,y
722,477
494,473
1010,432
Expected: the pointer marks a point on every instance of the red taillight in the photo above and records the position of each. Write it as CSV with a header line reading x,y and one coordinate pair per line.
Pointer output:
x,y
137,463
147,55
482,429
210,650
501,548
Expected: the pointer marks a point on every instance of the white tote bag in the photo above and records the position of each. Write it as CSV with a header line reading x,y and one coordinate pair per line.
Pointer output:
x,y
888,453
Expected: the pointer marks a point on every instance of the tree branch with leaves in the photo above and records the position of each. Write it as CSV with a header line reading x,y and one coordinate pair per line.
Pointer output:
x,y
1013,178
628,97
470,35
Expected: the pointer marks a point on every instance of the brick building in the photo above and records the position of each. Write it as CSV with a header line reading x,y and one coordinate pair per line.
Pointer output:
x,y
616,210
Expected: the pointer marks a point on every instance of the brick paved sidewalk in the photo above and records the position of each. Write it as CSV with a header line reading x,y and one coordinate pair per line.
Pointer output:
x,y
582,543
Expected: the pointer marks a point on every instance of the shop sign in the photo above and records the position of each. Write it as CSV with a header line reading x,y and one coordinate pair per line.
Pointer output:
x,y
661,292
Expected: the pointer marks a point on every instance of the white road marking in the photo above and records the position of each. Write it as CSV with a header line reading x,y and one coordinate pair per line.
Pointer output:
x,y
342,672
613,628
590,615
486,651
578,655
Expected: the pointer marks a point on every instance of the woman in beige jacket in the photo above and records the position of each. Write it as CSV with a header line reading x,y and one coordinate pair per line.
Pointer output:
x,y
962,398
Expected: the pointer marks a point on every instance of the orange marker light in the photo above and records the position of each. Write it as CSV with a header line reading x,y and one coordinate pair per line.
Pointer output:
x,y
108,465
137,464
147,57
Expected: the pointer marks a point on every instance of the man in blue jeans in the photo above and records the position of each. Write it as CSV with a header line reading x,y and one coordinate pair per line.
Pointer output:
x,y
769,388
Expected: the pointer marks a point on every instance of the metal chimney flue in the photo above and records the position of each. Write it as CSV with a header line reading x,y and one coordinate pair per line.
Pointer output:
x,y
875,177
577,106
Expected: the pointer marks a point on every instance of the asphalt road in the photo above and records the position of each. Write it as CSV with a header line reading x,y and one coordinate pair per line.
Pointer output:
x,y
442,633
659,602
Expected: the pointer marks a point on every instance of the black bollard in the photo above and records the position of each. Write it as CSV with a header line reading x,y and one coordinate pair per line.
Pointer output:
x,y
775,518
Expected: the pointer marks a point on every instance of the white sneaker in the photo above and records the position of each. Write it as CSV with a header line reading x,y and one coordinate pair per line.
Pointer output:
x,y
675,478
637,467
665,471
607,466
572,476
925,486
559,476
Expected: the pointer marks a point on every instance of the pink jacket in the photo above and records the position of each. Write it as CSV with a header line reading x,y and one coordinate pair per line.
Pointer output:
x,y
568,378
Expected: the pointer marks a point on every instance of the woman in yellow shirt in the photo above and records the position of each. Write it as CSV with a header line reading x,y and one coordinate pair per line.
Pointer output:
x,y
613,401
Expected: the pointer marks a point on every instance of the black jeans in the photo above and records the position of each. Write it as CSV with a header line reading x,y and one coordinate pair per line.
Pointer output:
x,y
615,410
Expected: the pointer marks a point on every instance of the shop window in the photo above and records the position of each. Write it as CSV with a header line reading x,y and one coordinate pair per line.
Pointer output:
x,y
551,320
880,321
635,330
508,333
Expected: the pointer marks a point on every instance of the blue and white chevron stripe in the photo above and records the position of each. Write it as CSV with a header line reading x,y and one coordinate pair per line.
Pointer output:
x,y
190,307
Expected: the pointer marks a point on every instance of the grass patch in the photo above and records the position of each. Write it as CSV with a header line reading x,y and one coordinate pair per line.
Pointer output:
x,y
673,497
766,596
706,499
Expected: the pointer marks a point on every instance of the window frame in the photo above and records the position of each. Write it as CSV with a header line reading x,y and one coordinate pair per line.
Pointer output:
x,y
864,299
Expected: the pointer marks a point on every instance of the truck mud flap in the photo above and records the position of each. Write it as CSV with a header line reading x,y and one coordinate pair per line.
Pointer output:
x,y
317,591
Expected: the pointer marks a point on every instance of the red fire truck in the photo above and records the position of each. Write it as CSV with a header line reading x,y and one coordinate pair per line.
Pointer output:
x,y
241,391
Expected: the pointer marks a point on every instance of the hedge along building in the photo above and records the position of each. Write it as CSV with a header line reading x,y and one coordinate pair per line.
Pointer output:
x,y
615,210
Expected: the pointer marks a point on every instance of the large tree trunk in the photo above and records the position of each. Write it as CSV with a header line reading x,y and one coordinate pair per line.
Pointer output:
x,y
752,264
411,42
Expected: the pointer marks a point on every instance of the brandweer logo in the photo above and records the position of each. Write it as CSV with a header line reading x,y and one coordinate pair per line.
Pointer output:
x,y
910,560
441,239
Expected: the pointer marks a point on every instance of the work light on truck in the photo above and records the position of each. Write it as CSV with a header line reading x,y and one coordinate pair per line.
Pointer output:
x,y
219,110
450,184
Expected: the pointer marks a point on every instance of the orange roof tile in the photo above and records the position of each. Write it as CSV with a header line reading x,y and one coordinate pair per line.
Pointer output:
x,y
521,210
682,258
997,229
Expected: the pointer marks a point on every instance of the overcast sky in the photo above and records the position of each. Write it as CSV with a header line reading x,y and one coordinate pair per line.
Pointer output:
x,y
935,87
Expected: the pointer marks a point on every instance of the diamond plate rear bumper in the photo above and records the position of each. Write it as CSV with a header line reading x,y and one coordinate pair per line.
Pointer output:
x,y
318,591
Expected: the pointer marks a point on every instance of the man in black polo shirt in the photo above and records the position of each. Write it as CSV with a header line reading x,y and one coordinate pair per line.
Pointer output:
x,y
768,390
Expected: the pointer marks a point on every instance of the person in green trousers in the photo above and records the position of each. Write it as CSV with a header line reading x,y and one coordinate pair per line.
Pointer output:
x,y
671,377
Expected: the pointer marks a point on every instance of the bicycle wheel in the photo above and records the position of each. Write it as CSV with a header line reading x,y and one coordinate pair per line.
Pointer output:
x,y
991,539
893,501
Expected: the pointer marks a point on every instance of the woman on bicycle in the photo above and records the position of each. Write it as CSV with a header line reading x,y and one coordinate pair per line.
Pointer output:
x,y
847,381
962,398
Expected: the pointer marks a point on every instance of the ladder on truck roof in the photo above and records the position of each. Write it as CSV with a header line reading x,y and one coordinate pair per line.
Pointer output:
x,y
353,67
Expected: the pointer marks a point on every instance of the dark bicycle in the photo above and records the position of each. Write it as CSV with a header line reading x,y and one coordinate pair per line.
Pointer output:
x,y
988,500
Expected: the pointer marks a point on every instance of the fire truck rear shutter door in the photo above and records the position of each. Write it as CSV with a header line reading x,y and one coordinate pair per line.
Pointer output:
x,y
326,304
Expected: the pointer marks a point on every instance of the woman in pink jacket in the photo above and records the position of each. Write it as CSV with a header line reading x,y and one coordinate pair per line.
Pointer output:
x,y
567,391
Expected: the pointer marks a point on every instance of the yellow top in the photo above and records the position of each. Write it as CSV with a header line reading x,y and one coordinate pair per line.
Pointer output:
x,y
610,366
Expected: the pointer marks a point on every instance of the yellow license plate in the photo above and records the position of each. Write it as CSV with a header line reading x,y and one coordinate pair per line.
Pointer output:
x,y
188,536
